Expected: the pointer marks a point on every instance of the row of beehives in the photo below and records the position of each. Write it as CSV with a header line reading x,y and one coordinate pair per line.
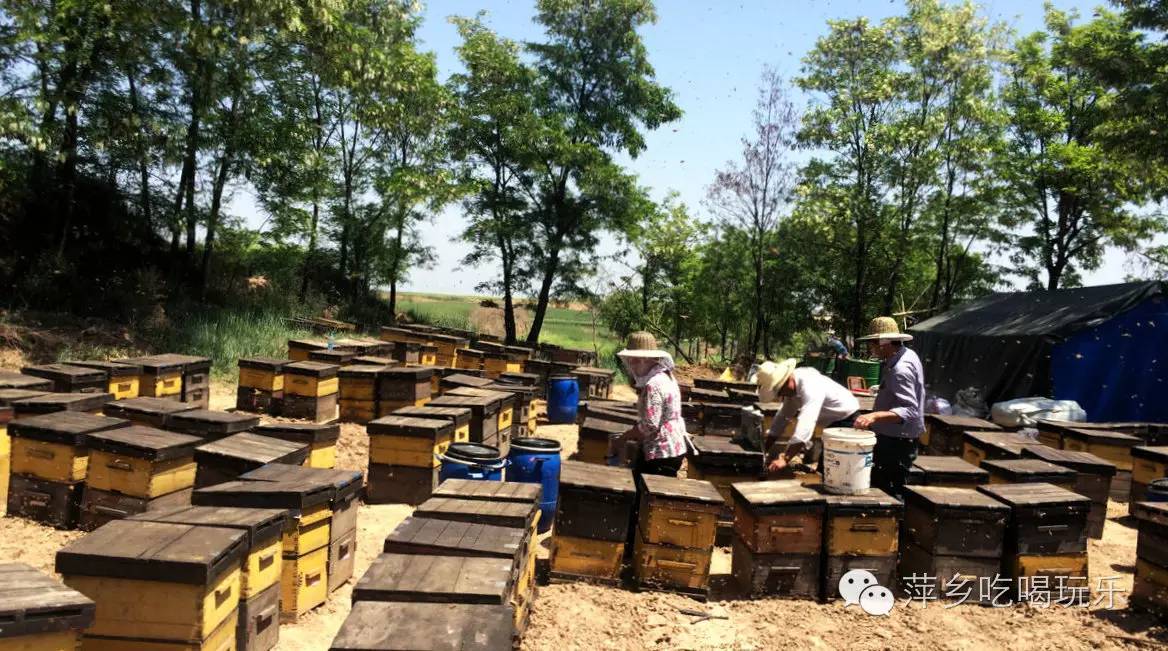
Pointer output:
x,y
186,378
458,573
221,574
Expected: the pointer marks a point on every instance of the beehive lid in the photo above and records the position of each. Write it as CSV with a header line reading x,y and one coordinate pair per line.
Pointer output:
x,y
471,352
713,383
697,394
772,494
311,369
962,422
606,427
592,370
19,381
716,409
948,466
1107,437
345,483
32,602
409,426
412,374
156,364
681,490
437,579
190,363
501,491
1078,461
296,496
362,371
309,344
406,626
263,363
1007,441
51,402
529,379
373,360
875,501
65,372
65,427
144,443
493,512
1028,470
932,498
416,535
260,525
154,551
211,421
522,393
301,432
8,396
610,415
1155,512
1158,453
334,356
504,399
450,339
590,476
146,406
112,369
1034,494
768,408
479,406
720,448
248,446
458,415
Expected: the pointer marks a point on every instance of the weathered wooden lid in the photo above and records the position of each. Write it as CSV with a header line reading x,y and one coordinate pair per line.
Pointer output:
x,y
457,415
1084,462
409,426
874,502
1156,512
156,364
612,415
145,406
345,483
495,512
932,498
523,394
1108,437
504,399
1008,441
65,372
1034,494
311,369
263,363
362,371
144,443
962,422
305,432
449,339
296,496
334,356
190,363
781,493
212,421
8,396
948,466
417,535
154,551
697,394
10,380
112,369
50,402
592,370
32,603
479,406
411,374
393,626
66,427
373,360
502,491
248,446
721,449
471,352
530,379
260,525
436,579
1158,453
591,476
681,490
308,344
597,426
1032,470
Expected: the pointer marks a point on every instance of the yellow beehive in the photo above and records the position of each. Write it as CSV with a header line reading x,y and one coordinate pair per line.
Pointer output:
x,y
408,441
141,461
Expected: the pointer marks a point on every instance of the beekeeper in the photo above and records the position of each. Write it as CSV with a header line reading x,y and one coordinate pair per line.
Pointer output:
x,y
810,398
660,428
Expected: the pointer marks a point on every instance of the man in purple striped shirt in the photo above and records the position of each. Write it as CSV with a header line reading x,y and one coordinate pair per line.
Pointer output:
x,y
898,416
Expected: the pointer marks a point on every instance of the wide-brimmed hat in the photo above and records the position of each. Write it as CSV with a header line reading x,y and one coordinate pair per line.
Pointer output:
x,y
642,344
771,376
884,328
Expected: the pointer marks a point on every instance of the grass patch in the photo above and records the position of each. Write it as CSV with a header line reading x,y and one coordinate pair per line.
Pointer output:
x,y
227,334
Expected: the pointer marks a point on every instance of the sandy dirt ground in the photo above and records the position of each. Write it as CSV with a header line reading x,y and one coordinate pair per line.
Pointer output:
x,y
578,616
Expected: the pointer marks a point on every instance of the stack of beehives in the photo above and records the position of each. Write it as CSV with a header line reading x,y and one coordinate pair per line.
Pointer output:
x,y
593,520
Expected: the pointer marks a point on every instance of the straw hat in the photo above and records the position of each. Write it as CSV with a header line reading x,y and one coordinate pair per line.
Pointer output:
x,y
641,344
772,376
884,328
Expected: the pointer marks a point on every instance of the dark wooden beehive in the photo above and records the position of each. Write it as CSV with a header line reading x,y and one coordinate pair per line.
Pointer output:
x,y
596,502
953,472
384,626
945,435
34,603
48,403
946,521
227,458
211,424
153,412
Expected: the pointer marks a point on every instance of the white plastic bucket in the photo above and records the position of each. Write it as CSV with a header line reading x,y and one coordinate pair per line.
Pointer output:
x,y
847,460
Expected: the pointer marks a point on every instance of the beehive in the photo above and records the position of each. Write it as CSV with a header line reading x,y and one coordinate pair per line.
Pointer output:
x,y
945,435
321,439
196,378
398,334
227,458
953,472
456,380
407,441
471,359
778,527
980,446
676,529
458,416
1149,463
446,349
52,446
1093,477
162,376
399,484
122,380
504,408
150,412
310,379
403,387
299,349
484,414
1150,587
860,532
357,396
721,419
594,439
523,421
157,581
333,356
596,502
521,378
1023,471
70,379
594,382
10,380
9,396
211,423
261,385
39,613
48,403
374,360
723,462
1115,447
382,626
499,513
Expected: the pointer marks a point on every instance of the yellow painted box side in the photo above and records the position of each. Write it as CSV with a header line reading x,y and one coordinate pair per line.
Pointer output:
x,y
221,639
58,641
124,388
5,476
5,442
1145,471
298,354
584,557
1117,454
506,417
160,386
260,379
852,535
672,566
357,411
139,477
323,454
309,533
51,461
262,569
358,389
407,451
310,387
303,583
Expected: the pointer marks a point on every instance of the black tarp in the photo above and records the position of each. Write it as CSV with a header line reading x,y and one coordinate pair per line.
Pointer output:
x,y
1002,343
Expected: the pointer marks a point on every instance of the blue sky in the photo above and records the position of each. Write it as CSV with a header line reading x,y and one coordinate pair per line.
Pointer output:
x,y
711,54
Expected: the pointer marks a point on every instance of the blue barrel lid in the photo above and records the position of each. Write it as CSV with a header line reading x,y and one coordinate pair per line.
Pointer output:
x,y
473,452
562,377
533,444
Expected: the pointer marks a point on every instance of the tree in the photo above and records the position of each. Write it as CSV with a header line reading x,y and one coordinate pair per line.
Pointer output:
x,y
594,94
750,194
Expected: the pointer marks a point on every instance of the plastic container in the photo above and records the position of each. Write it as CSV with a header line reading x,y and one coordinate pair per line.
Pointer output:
x,y
537,461
1157,491
563,396
471,461
847,460
869,370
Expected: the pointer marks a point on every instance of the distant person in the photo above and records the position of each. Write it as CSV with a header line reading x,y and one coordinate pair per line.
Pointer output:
x,y
809,397
660,428
839,348
898,416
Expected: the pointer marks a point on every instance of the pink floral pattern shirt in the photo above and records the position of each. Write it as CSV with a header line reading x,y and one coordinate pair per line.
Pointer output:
x,y
662,426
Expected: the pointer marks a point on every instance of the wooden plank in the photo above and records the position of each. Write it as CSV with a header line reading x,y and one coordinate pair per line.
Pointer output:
x,y
295,496
211,421
143,443
948,466
65,427
420,535
502,491
260,525
605,479
683,490
384,626
154,551
438,579
498,513
252,447
1034,494
32,602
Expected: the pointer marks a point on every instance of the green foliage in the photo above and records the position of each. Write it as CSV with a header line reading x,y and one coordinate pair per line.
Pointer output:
x,y
226,334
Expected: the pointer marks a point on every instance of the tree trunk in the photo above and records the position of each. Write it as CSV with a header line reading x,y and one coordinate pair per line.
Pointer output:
x,y
551,266
143,165
213,217
395,270
509,328
197,90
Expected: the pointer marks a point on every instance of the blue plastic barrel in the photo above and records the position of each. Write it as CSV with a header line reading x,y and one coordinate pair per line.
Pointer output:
x,y
1158,491
563,395
471,461
537,461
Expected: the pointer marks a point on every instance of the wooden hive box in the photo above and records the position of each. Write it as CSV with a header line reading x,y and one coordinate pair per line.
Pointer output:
x,y
594,439
953,472
385,484
679,512
457,380
470,359
162,376
458,416
1149,463
39,613
595,502
521,378
519,515
261,385
374,360
305,542
1023,471
504,407
1150,587
398,334
721,419
10,380
298,349
723,462
157,581
9,396
1093,477
980,446
54,446
713,396
594,382
227,458
122,380
333,356
382,626
151,412
257,628
778,528
320,437
427,355
860,532
310,379
598,411
70,379
211,423
408,352
408,441
48,403
196,378
523,422
403,387
484,421
447,346
1115,447
358,392
945,435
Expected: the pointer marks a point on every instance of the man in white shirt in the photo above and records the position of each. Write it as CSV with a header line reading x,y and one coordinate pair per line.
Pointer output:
x,y
809,397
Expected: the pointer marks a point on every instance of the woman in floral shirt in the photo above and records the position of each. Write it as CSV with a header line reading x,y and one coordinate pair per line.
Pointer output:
x,y
661,428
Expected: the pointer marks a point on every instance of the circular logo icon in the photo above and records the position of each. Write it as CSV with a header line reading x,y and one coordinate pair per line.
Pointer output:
x,y
877,600
852,583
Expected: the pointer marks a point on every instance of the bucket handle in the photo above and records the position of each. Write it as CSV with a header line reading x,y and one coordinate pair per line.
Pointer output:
x,y
503,463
